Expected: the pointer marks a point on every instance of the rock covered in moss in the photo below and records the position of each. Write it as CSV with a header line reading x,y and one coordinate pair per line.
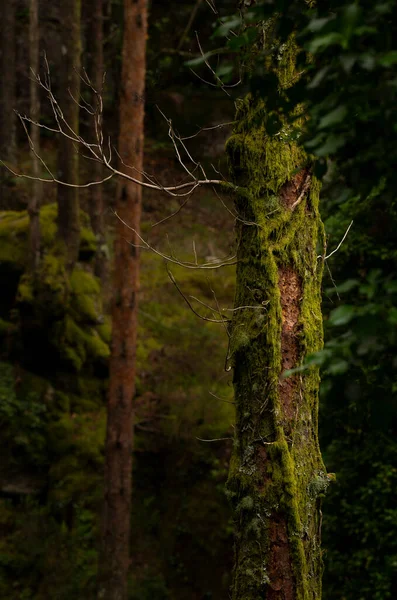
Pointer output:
x,y
59,315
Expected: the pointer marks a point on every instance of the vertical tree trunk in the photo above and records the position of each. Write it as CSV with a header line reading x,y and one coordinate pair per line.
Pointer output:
x,y
276,473
96,205
114,563
35,199
7,96
68,160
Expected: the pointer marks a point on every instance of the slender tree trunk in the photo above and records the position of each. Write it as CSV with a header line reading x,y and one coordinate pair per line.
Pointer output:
x,y
276,474
68,160
7,96
114,563
96,203
35,199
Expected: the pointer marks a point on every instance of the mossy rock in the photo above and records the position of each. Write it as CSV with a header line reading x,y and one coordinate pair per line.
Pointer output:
x,y
56,310
85,302
14,230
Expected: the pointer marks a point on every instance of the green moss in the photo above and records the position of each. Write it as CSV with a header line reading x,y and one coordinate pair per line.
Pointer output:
x,y
13,231
85,301
105,329
66,306
77,345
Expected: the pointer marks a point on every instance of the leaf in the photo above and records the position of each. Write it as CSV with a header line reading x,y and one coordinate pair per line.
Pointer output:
x,y
324,41
226,25
392,318
224,70
346,286
318,78
318,24
342,315
347,61
335,116
388,59
331,144
338,367
194,62
244,39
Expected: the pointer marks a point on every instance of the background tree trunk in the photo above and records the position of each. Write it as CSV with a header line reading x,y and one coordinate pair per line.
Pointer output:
x,y
68,160
35,199
114,561
96,203
7,97
276,474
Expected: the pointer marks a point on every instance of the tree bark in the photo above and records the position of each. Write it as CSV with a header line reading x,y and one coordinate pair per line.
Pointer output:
x,y
7,98
114,561
35,199
96,202
68,160
276,474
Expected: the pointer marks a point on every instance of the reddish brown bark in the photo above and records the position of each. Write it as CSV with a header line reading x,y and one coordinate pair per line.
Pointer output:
x,y
290,294
282,585
115,556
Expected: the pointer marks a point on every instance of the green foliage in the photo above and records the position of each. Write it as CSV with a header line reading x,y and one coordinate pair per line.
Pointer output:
x,y
359,402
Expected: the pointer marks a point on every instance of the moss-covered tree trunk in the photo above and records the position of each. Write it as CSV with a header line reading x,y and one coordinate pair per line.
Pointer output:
x,y
68,158
115,555
276,473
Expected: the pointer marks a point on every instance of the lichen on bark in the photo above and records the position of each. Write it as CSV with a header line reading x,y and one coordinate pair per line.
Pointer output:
x,y
276,456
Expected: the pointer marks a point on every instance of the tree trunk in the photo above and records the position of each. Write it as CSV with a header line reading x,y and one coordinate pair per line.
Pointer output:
x,y
7,98
96,204
114,562
276,474
35,199
68,160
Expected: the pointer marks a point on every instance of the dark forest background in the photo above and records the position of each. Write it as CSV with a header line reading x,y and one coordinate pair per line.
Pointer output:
x,y
54,353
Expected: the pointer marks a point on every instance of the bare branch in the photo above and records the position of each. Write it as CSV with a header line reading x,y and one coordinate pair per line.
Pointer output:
x,y
219,126
95,151
172,214
215,439
221,399
187,265
172,278
338,246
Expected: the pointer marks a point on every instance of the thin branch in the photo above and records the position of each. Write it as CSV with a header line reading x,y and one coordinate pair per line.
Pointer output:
x,y
172,214
55,180
221,399
95,151
172,278
338,246
189,24
234,215
304,190
187,265
219,126
215,439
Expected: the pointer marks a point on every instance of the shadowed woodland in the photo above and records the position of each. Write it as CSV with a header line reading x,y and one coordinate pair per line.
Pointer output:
x,y
198,292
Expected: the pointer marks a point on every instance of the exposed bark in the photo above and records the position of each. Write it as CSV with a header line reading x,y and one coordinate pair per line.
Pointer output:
x,y
7,97
68,160
276,474
35,199
96,202
114,563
